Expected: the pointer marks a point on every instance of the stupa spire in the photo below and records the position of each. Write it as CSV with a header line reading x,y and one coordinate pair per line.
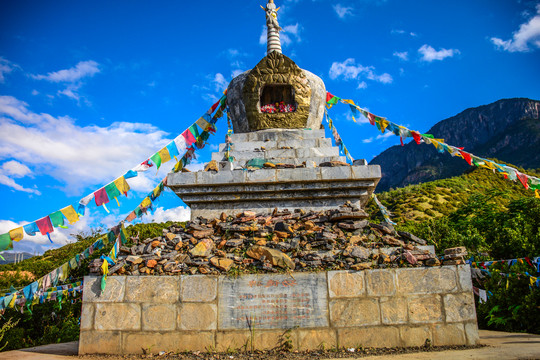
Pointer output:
x,y
273,43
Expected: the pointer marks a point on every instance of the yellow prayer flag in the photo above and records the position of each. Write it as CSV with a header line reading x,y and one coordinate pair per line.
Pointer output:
x,y
12,302
537,193
164,155
347,101
146,202
70,214
203,124
383,124
533,280
122,185
16,234
105,267
506,283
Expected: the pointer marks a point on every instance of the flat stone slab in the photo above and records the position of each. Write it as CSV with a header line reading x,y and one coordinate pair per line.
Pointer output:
x,y
273,301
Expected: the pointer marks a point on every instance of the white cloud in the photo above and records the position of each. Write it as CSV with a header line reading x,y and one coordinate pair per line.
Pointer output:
x,y
385,136
402,55
161,215
362,85
81,70
528,34
342,11
348,70
6,67
236,72
367,141
429,54
403,32
77,156
14,169
72,77
220,82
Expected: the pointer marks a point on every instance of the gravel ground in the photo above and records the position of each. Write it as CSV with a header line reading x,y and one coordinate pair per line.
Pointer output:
x,y
281,355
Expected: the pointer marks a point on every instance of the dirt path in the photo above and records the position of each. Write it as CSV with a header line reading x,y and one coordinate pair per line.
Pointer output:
x,y
498,345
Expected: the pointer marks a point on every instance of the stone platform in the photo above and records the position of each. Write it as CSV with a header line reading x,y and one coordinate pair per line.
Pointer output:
x,y
372,308
234,188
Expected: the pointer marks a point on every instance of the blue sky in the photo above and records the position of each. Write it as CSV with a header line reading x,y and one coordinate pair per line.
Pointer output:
x,y
89,90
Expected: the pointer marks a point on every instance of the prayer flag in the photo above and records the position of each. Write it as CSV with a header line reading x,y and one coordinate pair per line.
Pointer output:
x,y
101,197
70,214
371,118
202,123
146,202
145,165
86,200
44,225
466,156
57,219
523,179
16,234
5,242
122,185
331,100
164,154
31,229
416,137
112,191
130,174
156,159
188,136
173,150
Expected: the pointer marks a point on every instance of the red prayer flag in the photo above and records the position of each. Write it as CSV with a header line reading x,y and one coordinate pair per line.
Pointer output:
x,y
523,178
101,197
416,136
401,139
371,118
44,225
213,107
329,96
529,261
190,139
466,156
131,216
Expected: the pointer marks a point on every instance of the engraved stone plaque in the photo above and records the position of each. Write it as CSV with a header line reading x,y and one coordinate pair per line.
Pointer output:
x,y
269,301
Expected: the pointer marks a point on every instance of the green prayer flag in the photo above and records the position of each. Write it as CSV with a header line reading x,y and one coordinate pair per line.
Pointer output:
x,y
156,159
194,131
111,237
5,242
112,191
57,219
429,136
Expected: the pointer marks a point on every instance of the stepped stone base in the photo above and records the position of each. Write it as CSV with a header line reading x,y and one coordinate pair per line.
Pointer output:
x,y
236,188
373,308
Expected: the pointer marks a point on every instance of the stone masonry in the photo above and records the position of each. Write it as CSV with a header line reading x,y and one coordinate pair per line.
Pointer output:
x,y
301,183
371,308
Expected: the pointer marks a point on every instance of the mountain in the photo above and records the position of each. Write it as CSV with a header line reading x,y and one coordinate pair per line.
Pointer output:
x,y
11,256
508,130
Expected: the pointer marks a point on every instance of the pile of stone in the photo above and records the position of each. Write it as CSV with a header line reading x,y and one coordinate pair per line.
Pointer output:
x,y
455,256
249,242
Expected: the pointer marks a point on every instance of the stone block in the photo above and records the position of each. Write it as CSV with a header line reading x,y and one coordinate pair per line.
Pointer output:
x,y
375,336
281,154
324,142
354,312
317,152
295,144
198,288
471,331
381,282
121,316
158,317
227,341
269,339
425,309
300,174
448,334
100,342
87,316
415,335
393,310
434,280
346,284
178,341
221,177
197,316
317,339
464,276
366,172
239,137
114,291
164,289
261,175
336,173
182,178
248,145
459,307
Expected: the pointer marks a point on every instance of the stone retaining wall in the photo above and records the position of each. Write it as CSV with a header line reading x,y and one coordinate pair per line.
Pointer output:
x,y
372,308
